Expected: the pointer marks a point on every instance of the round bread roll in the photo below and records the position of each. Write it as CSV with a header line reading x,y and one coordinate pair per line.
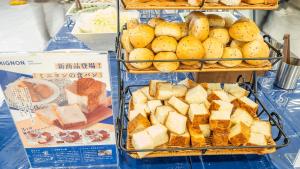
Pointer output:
x,y
192,15
190,47
132,23
153,22
230,52
199,27
215,20
184,29
213,49
256,49
221,34
166,66
164,44
141,35
244,30
141,54
126,42
237,44
195,2
168,29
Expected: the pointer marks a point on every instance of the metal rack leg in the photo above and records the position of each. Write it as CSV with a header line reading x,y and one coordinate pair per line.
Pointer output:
x,y
254,82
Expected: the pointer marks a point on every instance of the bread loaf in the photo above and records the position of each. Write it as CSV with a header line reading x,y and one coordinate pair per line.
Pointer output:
x,y
230,52
244,30
213,49
215,20
166,66
220,34
153,22
141,35
139,54
168,29
256,49
164,44
199,27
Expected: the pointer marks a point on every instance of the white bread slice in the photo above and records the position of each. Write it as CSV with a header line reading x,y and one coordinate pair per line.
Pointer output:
x,y
179,90
211,86
176,122
164,90
159,134
152,104
196,94
145,91
47,114
247,104
229,86
133,113
179,105
205,129
198,114
262,127
218,95
142,107
219,120
153,119
197,137
162,112
138,124
142,140
138,97
238,92
220,105
188,83
152,87
220,138
180,140
240,115
70,116
239,134
257,139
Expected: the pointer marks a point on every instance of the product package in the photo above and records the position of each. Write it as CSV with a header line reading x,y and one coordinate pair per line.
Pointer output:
x,y
62,107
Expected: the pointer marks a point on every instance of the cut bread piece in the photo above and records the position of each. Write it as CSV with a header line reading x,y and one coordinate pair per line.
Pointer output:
x,y
179,140
47,114
196,94
133,113
145,91
152,87
188,83
231,98
218,95
205,129
198,114
139,123
219,120
262,127
179,90
197,137
159,134
162,112
207,104
247,104
142,140
176,122
164,91
179,105
211,86
70,116
141,107
229,86
221,105
153,119
240,115
239,134
220,138
238,91
152,104
138,97
257,139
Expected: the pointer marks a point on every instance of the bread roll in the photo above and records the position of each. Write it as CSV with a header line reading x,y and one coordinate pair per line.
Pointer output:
x,y
192,15
184,29
215,20
228,21
237,44
199,27
230,52
255,49
244,30
126,42
141,54
190,47
153,22
168,29
132,24
213,49
220,34
195,2
141,35
231,2
166,66
164,44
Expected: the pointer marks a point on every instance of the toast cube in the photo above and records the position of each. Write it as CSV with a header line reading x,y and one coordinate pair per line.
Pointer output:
x,y
133,113
211,86
247,104
205,129
239,134
238,92
138,97
152,104
218,95
153,119
142,107
152,87
145,91
188,83
262,127
159,134
220,105
240,115
138,124
164,91
179,90
229,86
257,139
220,138
198,114
142,140
179,105
197,137
176,122
207,104
231,98
219,120
162,112
196,94
179,140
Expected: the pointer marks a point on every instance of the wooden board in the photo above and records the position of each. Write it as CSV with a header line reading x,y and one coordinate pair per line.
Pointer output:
x,y
183,5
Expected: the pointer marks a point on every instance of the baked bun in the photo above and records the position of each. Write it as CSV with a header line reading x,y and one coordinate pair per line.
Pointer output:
x,y
221,34
213,49
153,22
244,30
199,27
215,20
192,15
184,29
230,52
237,44
132,23
126,42
141,54
195,2
166,66
164,44
231,2
141,35
190,47
168,29
255,49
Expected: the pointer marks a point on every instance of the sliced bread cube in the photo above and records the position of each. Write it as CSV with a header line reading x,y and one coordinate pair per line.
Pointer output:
x,y
231,98
138,124
179,105
138,97
198,114
142,140
211,86
262,127
145,91
188,83
240,115
218,95
239,134
162,112
152,87
133,113
207,104
205,129
179,140
179,90
238,92
164,91
142,107
220,105
220,138
153,119
197,137
159,134
257,139
247,104
176,122
219,120
196,94
152,104
229,86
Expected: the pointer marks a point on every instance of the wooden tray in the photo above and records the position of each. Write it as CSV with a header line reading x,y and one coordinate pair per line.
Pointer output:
x,y
172,5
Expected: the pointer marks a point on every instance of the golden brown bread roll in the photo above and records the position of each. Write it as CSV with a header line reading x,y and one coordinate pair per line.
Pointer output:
x,y
153,22
126,42
132,23
255,49
221,34
230,52
141,54
190,47
244,30
195,2
192,15
184,29
213,49
166,66
215,20
141,35
168,29
199,27
237,44
164,44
